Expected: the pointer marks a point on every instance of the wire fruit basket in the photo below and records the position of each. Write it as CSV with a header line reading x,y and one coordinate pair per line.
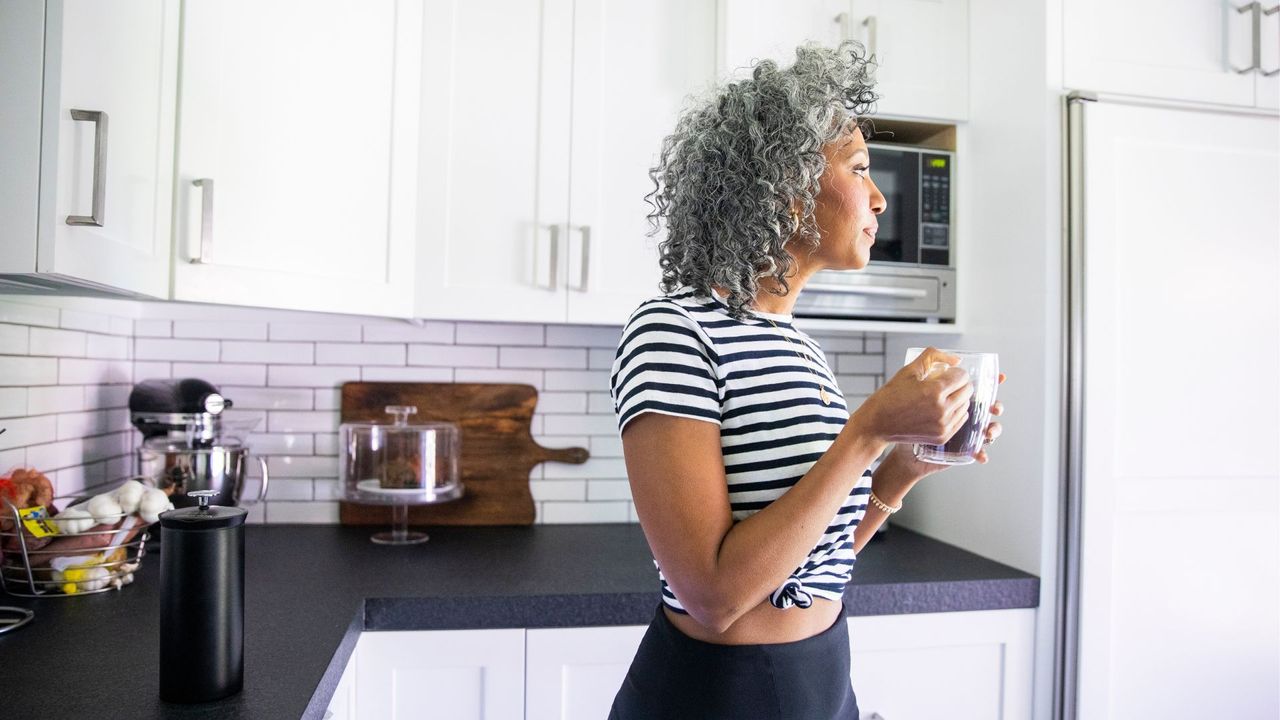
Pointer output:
x,y
101,558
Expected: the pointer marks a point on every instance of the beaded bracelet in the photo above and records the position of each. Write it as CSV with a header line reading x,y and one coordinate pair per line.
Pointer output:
x,y
881,504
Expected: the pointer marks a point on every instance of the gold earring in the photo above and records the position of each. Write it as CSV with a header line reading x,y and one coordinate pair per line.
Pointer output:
x,y
795,218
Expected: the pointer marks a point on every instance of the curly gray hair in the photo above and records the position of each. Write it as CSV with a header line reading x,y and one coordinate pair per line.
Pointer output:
x,y
741,158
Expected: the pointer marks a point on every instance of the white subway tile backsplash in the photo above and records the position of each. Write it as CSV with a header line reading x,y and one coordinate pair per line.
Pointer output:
x,y
48,399
24,371
81,320
583,336
290,353
312,513
94,372
262,443
172,349
57,343
14,339
563,358
97,397
456,356
311,376
326,444
146,327
13,402
65,377
151,370
859,364
583,512
220,330
593,380
579,424
359,354
468,333
20,313
261,398
289,489
302,466
330,332
27,431
606,446
431,331
327,398
407,374
558,490
223,373
601,404
592,469
302,421
600,358
559,403
111,347
608,490
483,375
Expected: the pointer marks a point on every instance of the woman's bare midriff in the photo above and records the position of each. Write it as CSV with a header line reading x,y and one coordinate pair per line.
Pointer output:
x,y
764,624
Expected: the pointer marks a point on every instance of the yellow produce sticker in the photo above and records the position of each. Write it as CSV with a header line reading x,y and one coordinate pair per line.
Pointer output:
x,y
36,519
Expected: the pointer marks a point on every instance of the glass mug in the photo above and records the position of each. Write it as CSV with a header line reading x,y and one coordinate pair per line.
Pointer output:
x,y
984,371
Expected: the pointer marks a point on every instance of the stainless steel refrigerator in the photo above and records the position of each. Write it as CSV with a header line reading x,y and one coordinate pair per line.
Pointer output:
x,y
1171,499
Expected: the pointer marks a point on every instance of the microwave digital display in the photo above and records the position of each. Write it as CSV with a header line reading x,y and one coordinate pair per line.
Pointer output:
x,y
915,228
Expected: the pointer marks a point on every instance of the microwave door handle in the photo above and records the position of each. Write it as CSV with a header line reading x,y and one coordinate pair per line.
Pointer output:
x,y
907,293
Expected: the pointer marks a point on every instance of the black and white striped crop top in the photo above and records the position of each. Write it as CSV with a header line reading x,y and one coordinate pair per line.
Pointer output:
x,y
683,354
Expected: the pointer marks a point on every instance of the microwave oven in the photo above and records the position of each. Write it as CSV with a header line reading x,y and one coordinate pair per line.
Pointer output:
x,y
911,275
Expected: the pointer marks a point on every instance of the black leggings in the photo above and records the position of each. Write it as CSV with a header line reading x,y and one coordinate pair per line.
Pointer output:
x,y
675,676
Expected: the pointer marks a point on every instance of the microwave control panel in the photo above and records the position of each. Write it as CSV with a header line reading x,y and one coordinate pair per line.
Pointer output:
x,y
935,209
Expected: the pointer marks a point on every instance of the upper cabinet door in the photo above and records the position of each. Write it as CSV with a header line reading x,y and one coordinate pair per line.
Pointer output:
x,y
1180,51
494,195
634,66
114,128
922,46
922,55
298,154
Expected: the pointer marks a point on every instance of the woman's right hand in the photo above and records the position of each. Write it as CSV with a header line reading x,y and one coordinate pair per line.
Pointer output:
x,y
927,401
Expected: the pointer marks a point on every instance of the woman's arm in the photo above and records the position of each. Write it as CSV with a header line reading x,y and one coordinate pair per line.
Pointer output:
x,y
717,568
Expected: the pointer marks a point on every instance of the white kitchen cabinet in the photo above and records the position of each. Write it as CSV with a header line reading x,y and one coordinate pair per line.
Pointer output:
x,y
297,154
922,46
87,96
532,189
454,674
574,673
1190,51
961,665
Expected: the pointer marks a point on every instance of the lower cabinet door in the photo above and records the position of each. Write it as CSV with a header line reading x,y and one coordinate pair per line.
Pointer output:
x,y
453,674
574,673
959,665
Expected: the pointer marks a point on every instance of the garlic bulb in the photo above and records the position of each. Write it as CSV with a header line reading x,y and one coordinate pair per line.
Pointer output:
x,y
129,495
152,504
105,509
73,520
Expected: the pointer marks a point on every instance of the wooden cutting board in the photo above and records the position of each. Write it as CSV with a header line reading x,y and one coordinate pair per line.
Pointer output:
x,y
498,449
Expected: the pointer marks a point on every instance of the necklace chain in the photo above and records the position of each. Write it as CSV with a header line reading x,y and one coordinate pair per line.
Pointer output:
x,y
822,389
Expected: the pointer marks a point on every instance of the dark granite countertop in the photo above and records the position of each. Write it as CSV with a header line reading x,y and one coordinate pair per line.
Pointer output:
x,y
311,590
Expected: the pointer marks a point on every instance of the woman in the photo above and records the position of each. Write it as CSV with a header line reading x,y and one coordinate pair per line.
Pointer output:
x,y
748,473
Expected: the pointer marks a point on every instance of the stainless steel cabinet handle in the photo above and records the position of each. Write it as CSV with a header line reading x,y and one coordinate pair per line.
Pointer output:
x,y
555,260
870,25
867,290
584,275
99,120
1267,73
1255,19
843,21
206,220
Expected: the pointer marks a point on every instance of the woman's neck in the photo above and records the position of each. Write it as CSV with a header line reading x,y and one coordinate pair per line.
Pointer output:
x,y
767,302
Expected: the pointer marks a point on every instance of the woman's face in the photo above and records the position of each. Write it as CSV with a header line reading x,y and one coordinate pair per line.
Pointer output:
x,y
847,206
